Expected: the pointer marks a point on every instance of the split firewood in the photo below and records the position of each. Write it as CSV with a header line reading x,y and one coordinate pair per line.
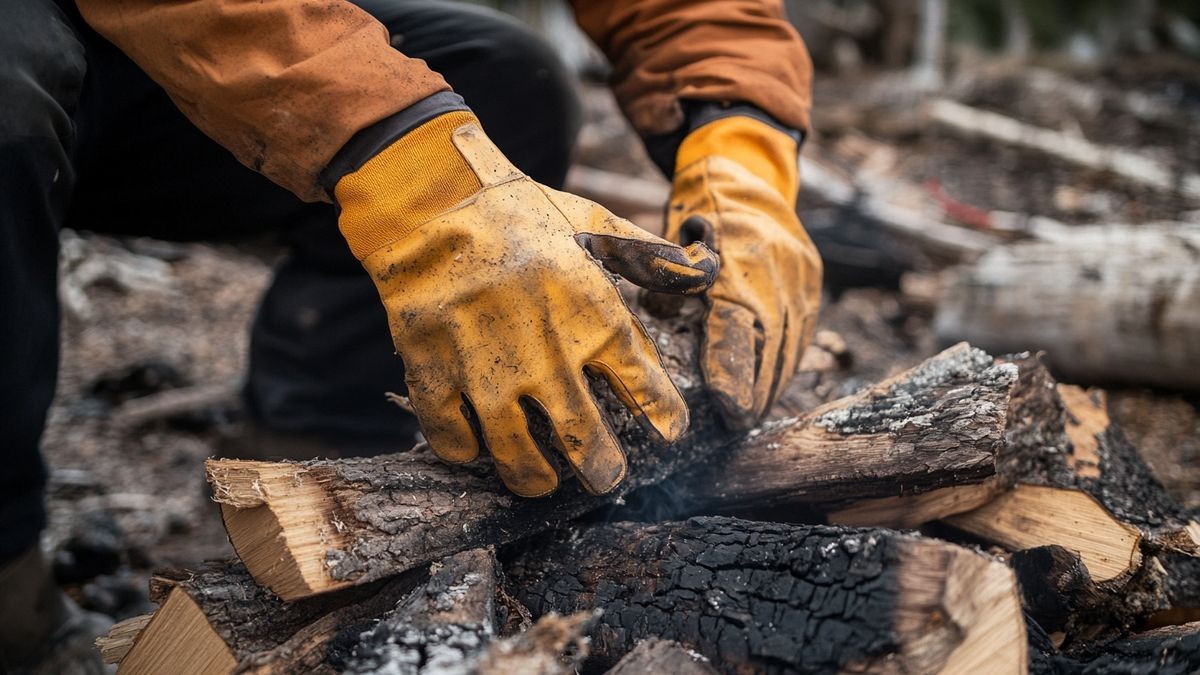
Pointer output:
x,y
771,598
305,528
1083,487
1067,477
218,620
1109,304
1171,650
662,656
1129,165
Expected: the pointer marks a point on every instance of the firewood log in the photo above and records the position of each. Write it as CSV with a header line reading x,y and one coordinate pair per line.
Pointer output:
x,y
219,621
1069,478
1109,304
305,528
1171,650
772,598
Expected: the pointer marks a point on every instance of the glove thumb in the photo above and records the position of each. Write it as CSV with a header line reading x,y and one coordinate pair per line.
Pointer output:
x,y
650,262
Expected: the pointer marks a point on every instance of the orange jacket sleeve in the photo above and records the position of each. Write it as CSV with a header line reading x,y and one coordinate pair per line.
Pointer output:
x,y
665,51
282,84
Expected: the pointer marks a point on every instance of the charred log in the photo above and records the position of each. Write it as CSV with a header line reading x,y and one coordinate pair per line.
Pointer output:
x,y
767,597
305,528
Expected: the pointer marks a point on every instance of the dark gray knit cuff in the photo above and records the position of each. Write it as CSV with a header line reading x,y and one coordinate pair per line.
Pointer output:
x,y
662,149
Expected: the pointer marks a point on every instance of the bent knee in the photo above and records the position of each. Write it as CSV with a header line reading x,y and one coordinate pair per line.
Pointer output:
x,y
43,69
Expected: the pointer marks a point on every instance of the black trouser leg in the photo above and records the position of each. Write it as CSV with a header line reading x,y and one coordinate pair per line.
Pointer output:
x,y
41,70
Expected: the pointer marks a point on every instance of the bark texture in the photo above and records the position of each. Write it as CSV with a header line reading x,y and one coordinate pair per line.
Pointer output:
x,y
1062,439
936,425
1173,650
441,627
759,597
1130,318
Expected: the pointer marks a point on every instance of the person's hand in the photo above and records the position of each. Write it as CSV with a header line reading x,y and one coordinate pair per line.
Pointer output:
x,y
499,302
735,188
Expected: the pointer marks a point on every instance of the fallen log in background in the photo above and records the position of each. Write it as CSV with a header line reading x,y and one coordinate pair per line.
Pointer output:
x,y
769,597
1109,304
304,528
1131,166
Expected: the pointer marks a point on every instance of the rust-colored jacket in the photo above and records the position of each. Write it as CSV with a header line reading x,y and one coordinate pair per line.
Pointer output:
x,y
284,84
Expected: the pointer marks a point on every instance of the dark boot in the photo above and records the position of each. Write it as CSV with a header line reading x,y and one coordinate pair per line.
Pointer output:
x,y
41,630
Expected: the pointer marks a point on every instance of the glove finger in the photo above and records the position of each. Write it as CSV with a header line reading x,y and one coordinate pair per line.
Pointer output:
x,y
443,414
583,437
785,364
770,365
652,263
636,375
693,229
520,463
729,359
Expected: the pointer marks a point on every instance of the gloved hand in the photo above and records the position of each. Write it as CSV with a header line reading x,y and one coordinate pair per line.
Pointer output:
x,y
498,303
735,189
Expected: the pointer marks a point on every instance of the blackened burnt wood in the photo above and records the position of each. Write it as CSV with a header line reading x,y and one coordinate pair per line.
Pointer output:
x,y
1171,650
1121,549
773,598
305,528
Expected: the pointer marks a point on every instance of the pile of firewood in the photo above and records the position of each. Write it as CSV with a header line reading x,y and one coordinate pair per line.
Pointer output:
x,y
1045,545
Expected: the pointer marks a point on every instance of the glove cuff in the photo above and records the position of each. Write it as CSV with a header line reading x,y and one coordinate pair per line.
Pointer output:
x,y
409,182
762,149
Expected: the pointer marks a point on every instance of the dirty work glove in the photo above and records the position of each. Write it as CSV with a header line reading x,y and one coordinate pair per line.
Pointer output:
x,y
734,188
498,299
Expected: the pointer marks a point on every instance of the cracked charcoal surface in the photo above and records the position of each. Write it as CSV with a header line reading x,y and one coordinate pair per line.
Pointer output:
x,y
749,596
442,627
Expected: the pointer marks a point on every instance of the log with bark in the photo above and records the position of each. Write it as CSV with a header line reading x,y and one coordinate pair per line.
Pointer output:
x,y
1131,166
769,597
1171,650
218,620
305,528
1122,548
1109,304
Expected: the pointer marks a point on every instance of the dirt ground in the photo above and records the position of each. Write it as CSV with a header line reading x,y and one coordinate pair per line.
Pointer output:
x,y
127,491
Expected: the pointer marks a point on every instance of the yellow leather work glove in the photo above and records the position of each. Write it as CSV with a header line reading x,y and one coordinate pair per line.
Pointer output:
x,y
735,186
498,303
